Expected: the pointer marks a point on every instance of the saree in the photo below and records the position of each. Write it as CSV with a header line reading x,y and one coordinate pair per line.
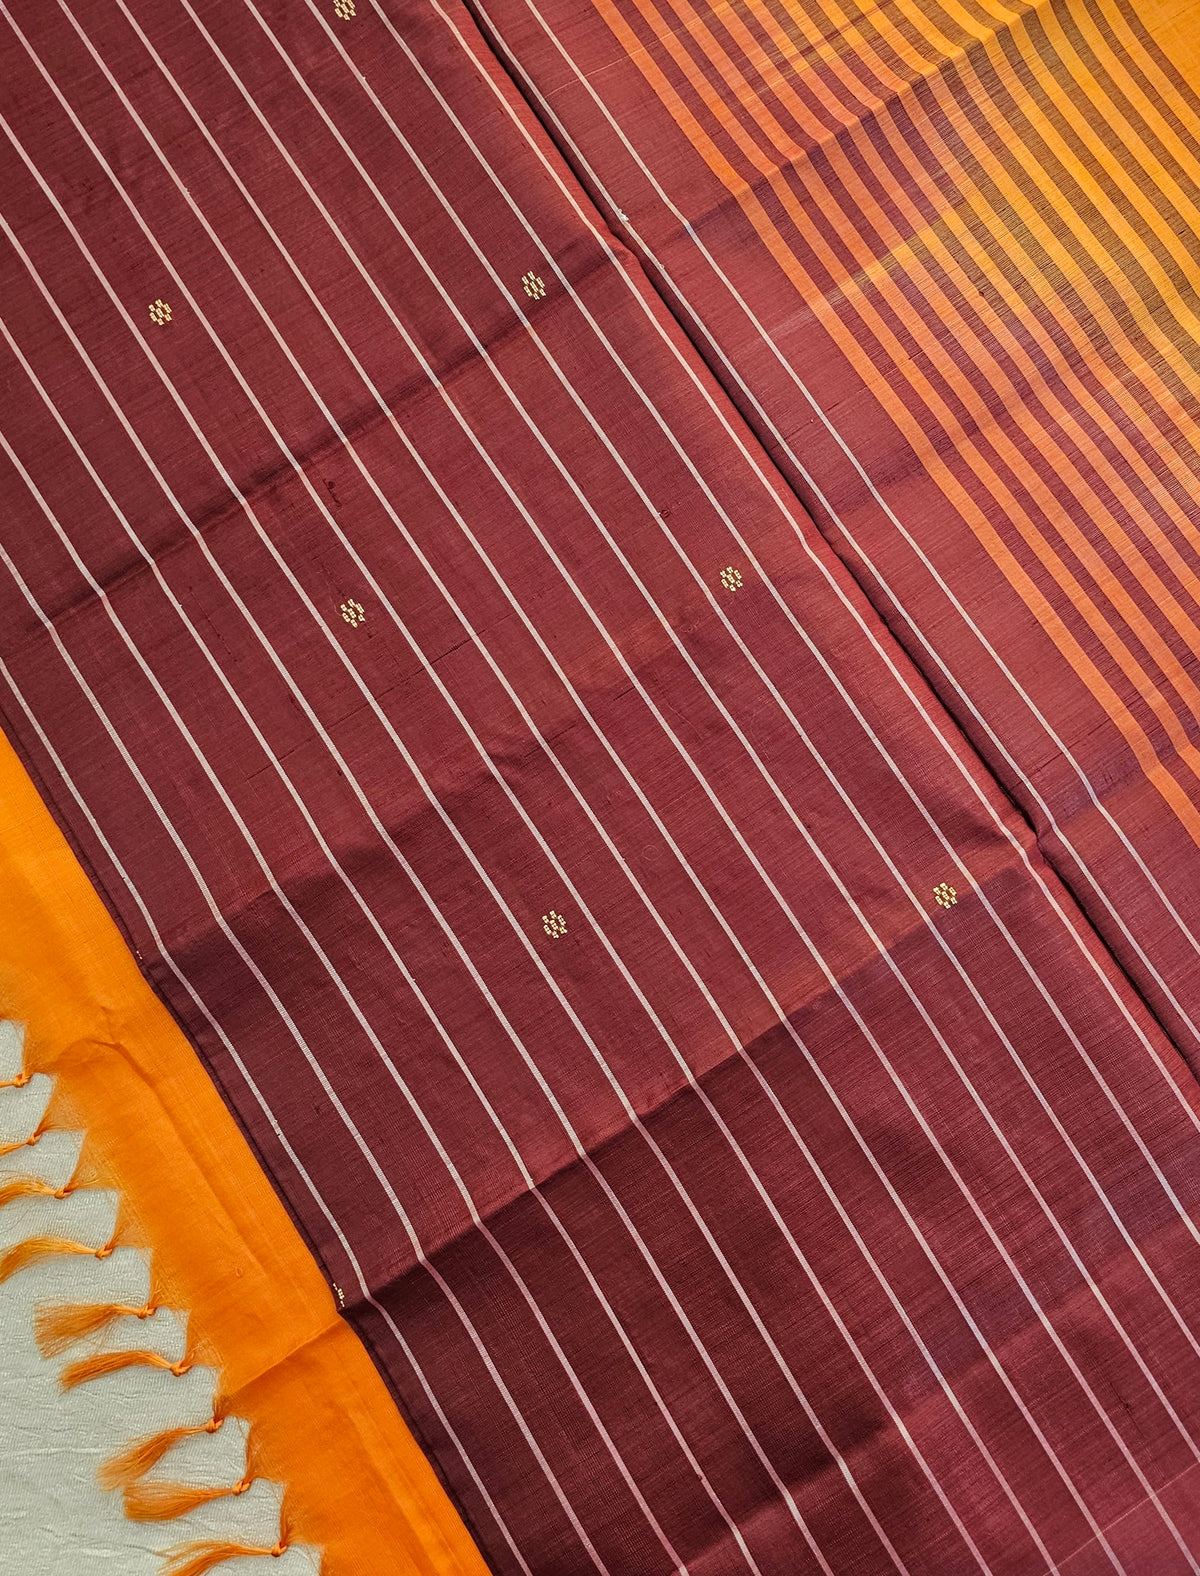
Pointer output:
x,y
728,1058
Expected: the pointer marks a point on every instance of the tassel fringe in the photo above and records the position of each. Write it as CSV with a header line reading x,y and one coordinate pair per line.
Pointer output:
x,y
26,1143
30,1187
101,1363
195,1559
124,1470
55,1326
34,1249
164,1501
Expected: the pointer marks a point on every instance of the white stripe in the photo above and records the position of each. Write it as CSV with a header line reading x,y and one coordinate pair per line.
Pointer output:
x,y
447,1041
1177,1080
920,909
311,1058
899,1423
481,752
1029,968
741,1156
582,802
782,1488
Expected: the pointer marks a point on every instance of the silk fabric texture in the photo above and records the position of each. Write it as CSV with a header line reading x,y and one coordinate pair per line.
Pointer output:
x,y
723,1123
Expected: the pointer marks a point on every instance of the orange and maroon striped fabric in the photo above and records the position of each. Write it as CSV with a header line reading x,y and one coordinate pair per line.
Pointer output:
x,y
945,258
734,1142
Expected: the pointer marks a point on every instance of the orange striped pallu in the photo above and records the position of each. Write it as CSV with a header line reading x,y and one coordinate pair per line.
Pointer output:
x,y
604,591
945,259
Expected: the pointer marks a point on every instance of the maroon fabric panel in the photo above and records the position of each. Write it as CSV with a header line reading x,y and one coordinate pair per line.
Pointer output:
x,y
736,1147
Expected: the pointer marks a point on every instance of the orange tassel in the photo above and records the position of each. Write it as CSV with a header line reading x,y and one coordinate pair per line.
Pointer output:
x,y
101,1363
23,1254
124,1470
57,1326
30,1187
26,1143
195,1559
165,1501
18,1082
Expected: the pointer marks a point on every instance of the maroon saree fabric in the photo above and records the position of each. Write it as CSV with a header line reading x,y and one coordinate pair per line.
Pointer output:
x,y
735,1145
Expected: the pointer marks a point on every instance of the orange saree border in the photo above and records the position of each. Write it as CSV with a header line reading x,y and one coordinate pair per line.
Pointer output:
x,y
192,1192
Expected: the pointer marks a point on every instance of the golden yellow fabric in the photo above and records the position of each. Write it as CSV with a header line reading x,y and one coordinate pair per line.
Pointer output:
x,y
222,1245
1175,28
